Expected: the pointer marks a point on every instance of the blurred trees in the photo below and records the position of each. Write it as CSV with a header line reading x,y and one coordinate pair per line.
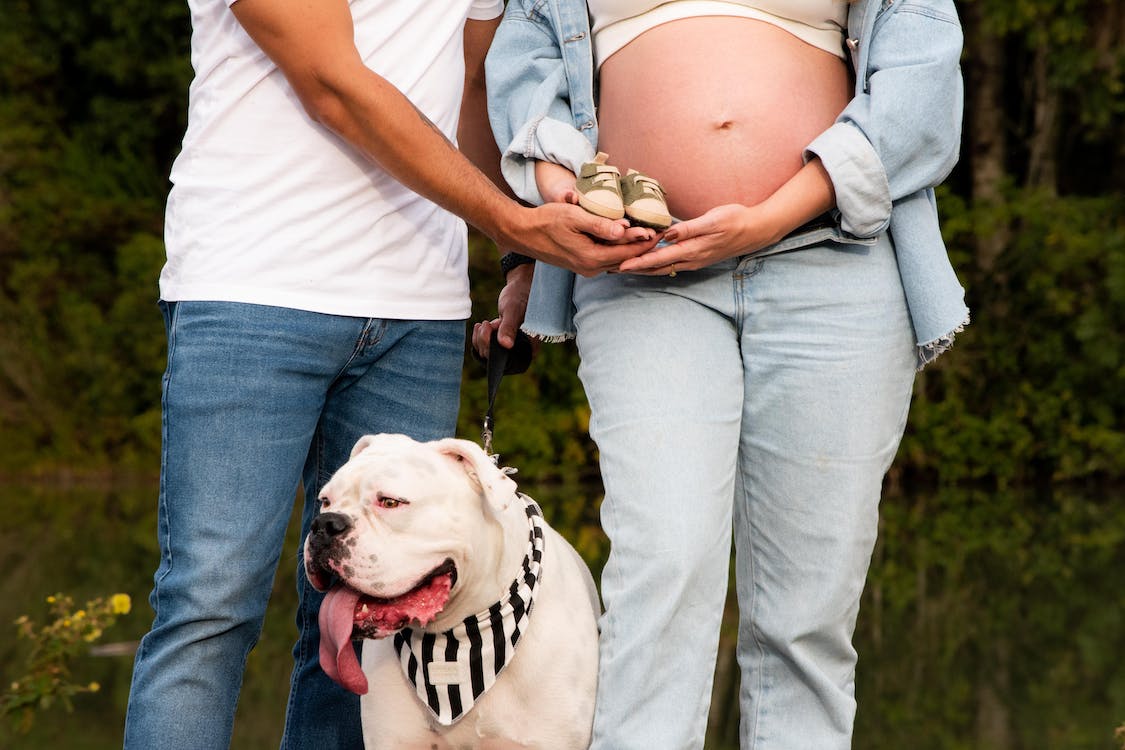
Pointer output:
x,y
92,102
1035,220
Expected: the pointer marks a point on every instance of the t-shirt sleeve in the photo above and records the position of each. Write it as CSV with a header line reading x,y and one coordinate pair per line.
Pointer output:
x,y
484,10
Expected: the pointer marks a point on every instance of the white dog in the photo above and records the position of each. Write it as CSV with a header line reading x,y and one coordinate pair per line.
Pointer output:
x,y
479,620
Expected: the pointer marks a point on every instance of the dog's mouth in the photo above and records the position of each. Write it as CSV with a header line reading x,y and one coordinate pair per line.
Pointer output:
x,y
374,617
347,615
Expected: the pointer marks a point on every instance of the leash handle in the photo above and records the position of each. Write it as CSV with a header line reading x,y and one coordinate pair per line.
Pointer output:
x,y
501,362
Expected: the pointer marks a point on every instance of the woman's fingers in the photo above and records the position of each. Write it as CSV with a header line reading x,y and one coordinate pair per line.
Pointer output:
x,y
655,261
686,230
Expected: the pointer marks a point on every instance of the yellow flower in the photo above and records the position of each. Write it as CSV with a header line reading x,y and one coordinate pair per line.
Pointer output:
x,y
66,623
50,600
93,635
79,614
93,687
121,604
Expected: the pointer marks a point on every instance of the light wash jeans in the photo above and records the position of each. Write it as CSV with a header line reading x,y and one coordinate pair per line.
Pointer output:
x,y
769,393
254,398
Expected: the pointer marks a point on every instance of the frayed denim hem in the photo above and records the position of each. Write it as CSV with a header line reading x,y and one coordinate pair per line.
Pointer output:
x,y
931,350
548,338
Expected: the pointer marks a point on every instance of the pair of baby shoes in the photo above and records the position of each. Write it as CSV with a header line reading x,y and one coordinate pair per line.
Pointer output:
x,y
604,192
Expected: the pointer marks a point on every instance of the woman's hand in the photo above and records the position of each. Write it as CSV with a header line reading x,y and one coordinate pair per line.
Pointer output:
x,y
734,229
555,183
722,232
512,307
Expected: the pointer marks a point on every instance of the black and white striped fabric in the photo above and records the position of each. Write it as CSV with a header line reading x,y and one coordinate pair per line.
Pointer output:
x,y
451,670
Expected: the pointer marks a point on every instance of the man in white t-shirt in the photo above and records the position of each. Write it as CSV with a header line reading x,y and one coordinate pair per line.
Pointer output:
x,y
315,290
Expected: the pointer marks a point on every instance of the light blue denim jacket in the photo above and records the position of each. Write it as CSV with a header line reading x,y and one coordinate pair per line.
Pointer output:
x,y
897,139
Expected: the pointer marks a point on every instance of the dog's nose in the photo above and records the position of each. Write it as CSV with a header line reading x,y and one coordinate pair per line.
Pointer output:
x,y
326,526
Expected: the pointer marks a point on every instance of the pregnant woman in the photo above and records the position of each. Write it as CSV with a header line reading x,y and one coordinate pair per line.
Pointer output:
x,y
754,370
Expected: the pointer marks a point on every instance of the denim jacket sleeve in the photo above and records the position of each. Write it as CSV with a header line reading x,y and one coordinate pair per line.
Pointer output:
x,y
901,132
529,94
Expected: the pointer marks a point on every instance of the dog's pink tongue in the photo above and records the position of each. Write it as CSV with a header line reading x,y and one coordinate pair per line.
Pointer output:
x,y
337,655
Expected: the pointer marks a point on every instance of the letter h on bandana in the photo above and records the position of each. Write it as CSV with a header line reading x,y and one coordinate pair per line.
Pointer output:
x,y
451,670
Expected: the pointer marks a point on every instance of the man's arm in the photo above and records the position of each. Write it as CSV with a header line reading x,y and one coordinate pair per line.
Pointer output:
x,y
311,42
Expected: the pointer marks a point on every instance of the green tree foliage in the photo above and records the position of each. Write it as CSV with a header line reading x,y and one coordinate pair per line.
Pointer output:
x,y
92,103
1034,389
91,111
984,608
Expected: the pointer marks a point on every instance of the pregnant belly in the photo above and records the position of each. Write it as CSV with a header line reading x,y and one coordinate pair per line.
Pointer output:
x,y
719,109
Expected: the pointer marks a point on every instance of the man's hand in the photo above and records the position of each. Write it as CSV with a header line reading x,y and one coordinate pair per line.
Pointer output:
x,y
512,307
570,237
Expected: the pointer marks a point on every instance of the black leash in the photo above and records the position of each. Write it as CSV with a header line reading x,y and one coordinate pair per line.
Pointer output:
x,y
502,362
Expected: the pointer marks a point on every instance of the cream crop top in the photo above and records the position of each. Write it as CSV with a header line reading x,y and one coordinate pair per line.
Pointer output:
x,y
615,23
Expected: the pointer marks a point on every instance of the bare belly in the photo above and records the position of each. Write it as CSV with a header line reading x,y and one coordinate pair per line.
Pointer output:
x,y
719,109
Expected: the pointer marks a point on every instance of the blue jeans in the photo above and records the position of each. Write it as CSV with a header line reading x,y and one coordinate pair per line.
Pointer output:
x,y
763,394
255,399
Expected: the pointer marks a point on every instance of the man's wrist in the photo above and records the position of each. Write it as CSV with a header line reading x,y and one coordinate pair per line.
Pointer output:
x,y
510,261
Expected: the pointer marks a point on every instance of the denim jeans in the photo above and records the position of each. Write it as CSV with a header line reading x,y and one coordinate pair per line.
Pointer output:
x,y
255,400
767,394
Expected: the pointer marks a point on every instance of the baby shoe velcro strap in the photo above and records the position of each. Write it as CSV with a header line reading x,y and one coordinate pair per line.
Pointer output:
x,y
591,169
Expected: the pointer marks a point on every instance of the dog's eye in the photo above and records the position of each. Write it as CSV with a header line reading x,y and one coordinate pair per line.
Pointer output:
x,y
324,503
389,502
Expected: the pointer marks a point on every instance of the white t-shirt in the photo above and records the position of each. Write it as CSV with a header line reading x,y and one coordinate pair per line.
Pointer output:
x,y
269,207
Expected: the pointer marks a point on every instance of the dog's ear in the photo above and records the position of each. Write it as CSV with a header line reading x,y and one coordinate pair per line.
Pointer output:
x,y
497,488
361,444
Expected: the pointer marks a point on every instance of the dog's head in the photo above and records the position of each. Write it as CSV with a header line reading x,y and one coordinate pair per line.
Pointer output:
x,y
398,524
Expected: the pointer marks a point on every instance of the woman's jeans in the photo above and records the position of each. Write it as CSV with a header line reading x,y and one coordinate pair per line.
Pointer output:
x,y
254,399
765,392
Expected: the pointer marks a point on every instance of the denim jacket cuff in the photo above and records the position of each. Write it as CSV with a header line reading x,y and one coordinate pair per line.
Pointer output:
x,y
863,194
542,139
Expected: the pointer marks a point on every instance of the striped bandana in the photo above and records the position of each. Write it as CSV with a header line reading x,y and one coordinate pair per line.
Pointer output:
x,y
451,670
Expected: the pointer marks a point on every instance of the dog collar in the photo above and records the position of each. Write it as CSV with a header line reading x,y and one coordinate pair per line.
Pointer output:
x,y
451,670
